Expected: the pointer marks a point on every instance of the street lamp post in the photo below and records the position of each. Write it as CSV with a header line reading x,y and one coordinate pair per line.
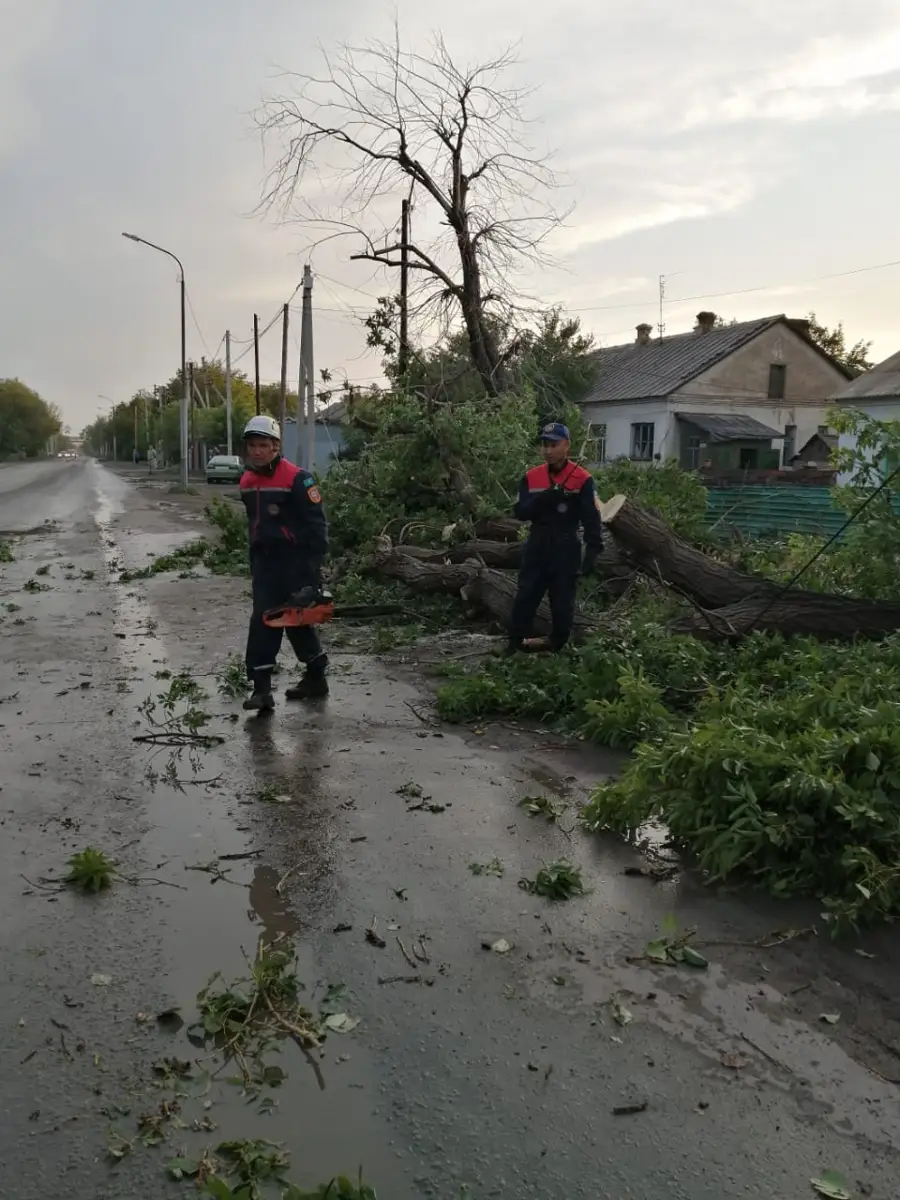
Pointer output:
x,y
185,398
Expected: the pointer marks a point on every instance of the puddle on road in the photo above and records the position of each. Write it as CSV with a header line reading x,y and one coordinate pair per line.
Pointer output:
x,y
231,900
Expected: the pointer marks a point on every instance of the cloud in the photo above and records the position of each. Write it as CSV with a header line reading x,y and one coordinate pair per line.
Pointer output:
x,y
27,26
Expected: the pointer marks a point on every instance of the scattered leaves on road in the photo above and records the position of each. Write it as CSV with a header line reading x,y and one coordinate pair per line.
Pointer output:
x,y
673,947
494,867
542,806
231,677
559,880
832,1185
621,1015
90,870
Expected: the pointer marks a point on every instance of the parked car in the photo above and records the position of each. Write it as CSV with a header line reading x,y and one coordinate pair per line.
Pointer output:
x,y
224,468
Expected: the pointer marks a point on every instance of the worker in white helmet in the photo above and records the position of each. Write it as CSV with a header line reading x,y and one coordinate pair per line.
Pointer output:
x,y
288,541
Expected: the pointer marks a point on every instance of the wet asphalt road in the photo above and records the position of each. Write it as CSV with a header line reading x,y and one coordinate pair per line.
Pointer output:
x,y
496,1071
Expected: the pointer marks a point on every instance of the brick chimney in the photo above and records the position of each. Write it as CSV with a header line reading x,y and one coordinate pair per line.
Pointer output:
x,y
705,322
643,334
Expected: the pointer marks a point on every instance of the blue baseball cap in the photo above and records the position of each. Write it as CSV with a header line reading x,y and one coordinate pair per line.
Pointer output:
x,y
555,432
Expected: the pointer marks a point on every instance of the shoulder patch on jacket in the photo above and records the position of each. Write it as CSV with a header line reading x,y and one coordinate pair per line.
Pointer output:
x,y
313,492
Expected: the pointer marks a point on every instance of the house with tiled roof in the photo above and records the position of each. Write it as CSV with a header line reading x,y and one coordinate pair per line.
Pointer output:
x,y
876,393
745,396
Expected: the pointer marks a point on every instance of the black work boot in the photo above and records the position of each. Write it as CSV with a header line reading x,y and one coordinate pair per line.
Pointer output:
x,y
262,699
313,685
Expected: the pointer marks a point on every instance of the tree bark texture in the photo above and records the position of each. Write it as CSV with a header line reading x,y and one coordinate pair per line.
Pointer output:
x,y
483,588
656,551
730,603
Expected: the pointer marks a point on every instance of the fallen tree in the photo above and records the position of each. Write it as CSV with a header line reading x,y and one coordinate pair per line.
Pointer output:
x,y
730,603
483,589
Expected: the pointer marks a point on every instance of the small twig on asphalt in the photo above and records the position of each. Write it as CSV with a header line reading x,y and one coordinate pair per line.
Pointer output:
x,y
65,1049
284,878
153,879
420,716
44,887
759,1050
420,952
400,979
215,872
237,857
373,937
177,737
629,1110
406,954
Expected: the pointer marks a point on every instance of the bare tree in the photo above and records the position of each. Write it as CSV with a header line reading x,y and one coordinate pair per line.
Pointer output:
x,y
395,124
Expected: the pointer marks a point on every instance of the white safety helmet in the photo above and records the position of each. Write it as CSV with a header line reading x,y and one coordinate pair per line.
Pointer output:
x,y
263,426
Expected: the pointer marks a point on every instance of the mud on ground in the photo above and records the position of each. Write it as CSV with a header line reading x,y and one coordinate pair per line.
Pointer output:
x,y
505,1070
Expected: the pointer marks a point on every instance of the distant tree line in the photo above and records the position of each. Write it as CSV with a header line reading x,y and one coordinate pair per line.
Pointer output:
x,y
27,421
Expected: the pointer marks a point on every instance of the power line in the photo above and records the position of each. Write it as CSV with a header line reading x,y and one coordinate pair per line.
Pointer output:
x,y
772,287
196,322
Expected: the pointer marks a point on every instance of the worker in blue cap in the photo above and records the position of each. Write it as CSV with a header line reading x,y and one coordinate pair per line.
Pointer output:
x,y
555,498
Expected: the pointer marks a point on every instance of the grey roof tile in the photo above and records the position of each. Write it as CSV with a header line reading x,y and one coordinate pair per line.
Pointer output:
x,y
633,372
882,380
730,427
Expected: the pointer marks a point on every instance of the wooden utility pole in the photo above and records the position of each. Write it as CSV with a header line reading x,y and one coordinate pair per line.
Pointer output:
x,y
256,356
403,350
306,395
282,414
228,430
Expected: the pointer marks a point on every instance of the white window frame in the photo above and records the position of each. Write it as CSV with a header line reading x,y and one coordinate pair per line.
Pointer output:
x,y
596,439
642,442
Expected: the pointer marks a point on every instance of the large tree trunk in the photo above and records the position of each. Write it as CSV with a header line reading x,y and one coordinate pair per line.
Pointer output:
x,y
499,529
652,546
492,554
813,614
481,588
729,603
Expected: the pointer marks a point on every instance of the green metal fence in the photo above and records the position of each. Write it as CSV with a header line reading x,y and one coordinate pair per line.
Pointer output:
x,y
758,510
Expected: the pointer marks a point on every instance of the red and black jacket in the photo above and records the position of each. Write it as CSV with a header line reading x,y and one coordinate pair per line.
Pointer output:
x,y
285,511
557,503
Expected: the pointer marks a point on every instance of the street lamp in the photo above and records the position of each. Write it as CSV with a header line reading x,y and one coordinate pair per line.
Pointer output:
x,y
185,397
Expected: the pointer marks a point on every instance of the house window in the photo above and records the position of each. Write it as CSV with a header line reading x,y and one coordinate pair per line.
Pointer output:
x,y
777,381
749,458
642,441
596,445
790,444
693,453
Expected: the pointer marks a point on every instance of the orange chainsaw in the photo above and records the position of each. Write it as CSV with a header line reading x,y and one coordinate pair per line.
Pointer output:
x,y
316,606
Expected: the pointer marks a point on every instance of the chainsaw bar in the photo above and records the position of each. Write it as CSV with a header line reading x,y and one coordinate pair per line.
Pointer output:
x,y
292,616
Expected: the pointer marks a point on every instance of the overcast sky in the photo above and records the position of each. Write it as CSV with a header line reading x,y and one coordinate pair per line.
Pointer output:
x,y
731,146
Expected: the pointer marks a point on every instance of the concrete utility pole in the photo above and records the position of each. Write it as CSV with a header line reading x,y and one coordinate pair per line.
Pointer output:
x,y
306,394
190,438
228,430
282,412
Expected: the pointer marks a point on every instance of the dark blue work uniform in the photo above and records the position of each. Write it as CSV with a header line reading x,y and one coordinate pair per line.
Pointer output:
x,y
288,541
555,504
